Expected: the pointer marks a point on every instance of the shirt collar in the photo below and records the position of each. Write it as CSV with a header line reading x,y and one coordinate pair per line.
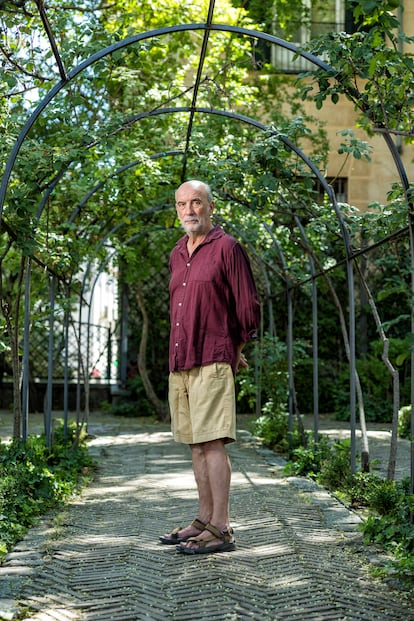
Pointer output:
x,y
215,233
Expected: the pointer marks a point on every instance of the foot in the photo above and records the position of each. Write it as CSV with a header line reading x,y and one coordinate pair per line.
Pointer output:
x,y
209,540
182,534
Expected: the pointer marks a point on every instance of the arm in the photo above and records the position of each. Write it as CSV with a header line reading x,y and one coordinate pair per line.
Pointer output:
x,y
246,303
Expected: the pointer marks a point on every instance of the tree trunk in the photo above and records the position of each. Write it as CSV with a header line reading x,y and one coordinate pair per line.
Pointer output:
x,y
395,379
161,407
365,465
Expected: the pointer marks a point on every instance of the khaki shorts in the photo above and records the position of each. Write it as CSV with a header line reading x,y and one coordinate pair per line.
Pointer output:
x,y
203,404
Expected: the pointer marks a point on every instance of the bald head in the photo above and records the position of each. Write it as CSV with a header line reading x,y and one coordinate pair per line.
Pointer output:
x,y
195,184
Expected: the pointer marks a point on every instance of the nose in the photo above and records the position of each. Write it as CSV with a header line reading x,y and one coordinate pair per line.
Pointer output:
x,y
188,208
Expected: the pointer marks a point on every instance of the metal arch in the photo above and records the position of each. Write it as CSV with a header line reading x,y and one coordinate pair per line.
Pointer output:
x,y
117,172
345,236
125,43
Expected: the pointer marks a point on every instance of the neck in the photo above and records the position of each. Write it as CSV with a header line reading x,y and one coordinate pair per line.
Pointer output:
x,y
195,239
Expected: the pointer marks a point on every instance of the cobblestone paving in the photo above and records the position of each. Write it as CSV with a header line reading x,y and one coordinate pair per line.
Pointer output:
x,y
299,556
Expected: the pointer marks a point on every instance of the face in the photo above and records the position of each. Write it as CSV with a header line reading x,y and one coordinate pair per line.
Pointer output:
x,y
194,208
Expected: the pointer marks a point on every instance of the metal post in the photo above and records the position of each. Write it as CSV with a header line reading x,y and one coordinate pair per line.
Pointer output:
x,y
315,355
290,362
49,391
66,367
123,354
26,348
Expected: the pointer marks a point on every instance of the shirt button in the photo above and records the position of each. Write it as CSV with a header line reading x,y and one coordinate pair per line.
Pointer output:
x,y
177,324
180,303
188,265
176,344
184,284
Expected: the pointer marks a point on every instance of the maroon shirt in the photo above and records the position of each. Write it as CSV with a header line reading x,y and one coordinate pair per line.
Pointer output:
x,y
213,302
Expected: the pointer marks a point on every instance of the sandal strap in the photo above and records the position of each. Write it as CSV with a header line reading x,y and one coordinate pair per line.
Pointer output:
x,y
175,532
214,531
201,541
198,524
225,535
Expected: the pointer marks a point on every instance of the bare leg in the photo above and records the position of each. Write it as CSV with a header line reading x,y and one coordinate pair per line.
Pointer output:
x,y
205,498
219,475
201,475
213,474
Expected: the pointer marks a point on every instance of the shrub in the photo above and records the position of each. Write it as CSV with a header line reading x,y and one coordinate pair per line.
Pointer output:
x,y
335,470
35,478
306,461
325,461
404,422
272,427
390,525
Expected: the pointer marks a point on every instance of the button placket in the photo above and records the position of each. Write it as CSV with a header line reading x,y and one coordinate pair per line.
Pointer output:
x,y
180,307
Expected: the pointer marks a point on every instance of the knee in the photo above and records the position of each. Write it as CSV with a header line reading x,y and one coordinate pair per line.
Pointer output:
x,y
214,446
197,450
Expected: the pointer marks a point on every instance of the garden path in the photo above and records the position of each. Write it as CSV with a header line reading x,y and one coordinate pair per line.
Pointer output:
x,y
299,555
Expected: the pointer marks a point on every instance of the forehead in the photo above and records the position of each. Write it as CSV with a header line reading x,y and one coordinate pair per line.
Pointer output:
x,y
190,192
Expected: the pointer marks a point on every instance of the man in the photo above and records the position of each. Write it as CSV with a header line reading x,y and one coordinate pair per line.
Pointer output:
x,y
214,311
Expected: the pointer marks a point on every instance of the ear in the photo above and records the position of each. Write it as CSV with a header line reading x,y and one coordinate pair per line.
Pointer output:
x,y
212,205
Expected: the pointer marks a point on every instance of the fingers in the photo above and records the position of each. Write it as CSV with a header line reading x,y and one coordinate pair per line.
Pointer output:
x,y
243,364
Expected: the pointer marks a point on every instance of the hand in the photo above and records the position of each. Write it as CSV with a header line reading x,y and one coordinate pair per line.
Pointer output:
x,y
242,364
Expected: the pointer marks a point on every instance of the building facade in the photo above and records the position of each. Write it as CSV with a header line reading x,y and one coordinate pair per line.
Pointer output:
x,y
357,182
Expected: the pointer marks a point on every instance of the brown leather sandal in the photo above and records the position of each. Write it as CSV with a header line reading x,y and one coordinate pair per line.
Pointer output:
x,y
173,538
227,537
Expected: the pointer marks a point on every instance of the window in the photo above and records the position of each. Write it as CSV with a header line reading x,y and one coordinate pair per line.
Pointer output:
x,y
339,186
319,18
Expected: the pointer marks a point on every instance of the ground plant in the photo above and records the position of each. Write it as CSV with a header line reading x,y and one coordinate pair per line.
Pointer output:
x,y
35,479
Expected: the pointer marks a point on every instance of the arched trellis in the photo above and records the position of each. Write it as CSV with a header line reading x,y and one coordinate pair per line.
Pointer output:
x,y
206,27
329,191
209,27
